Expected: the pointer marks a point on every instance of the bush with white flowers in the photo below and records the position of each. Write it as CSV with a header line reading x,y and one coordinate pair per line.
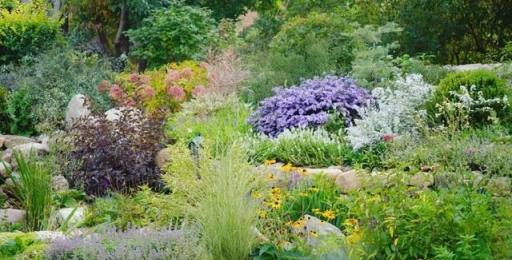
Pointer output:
x,y
396,111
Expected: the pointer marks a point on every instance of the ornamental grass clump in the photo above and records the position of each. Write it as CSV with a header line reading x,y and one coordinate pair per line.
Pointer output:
x,y
310,104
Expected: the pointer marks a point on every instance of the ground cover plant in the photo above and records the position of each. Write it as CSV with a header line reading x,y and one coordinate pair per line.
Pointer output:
x,y
255,129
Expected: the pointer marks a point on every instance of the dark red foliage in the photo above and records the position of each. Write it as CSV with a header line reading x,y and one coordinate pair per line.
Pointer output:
x,y
116,155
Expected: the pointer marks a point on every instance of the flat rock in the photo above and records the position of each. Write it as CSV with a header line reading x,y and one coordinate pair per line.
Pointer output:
x,y
313,229
348,181
12,216
78,215
28,148
422,180
11,141
331,172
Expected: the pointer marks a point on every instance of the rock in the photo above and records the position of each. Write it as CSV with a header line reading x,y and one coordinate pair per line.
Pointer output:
x,y
12,216
446,179
163,157
348,181
28,148
11,141
478,179
422,180
78,107
331,172
476,66
63,214
3,168
59,183
115,114
313,229
2,142
500,186
49,236
6,156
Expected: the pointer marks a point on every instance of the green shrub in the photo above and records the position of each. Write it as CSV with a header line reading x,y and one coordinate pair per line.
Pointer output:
x,y
445,224
485,82
4,114
218,120
43,89
33,190
302,148
174,34
20,112
487,151
26,30
297,34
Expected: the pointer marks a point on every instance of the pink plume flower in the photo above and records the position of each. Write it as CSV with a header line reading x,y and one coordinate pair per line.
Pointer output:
x,y
187,73
199,90
176,92
134,77
116,92
388,137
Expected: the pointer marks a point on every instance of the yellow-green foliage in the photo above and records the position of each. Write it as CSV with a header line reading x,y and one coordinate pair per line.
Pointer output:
x,y
26,30
20,245
161,90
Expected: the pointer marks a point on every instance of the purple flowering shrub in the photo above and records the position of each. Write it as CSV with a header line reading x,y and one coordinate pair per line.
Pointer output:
x,y
310,104
131,244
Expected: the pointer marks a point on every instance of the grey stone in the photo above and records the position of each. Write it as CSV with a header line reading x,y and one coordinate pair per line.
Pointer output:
x,y
59,183
500,186
49,236
6,156
331,172
63,214
4,166
2,141
11,141
163,157
12,216
313,229
475,66
78,107
28,148
422,180
348,181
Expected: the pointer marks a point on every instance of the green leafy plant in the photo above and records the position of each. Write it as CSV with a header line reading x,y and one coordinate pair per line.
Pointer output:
x,y
33,190
43,89
174,34
481,86
26,30
4,115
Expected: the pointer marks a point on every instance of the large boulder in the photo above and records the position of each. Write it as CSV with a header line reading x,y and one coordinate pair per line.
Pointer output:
x,y
10,141
78,107
59,183
4,166
28,148
314,229
163,157
74,216
12,216
348,181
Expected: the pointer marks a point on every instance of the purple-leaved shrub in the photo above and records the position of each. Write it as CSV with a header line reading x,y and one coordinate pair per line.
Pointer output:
x,y
310,104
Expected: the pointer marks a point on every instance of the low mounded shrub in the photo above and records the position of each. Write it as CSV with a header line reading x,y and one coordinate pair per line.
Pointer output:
x,y
395,112
131,244
480,85
26,30
116,155
310,104
159,91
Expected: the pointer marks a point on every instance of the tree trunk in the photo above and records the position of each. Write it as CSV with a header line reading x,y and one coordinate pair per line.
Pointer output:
x,y
121,41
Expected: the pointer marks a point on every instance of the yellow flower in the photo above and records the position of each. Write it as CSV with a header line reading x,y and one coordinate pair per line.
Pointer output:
x,y
313,233
314,189
298,224
351,222
262,214
316,211
276,204
270,177
354,237
287,168
303,194
329,214
256,195
269,162
276,190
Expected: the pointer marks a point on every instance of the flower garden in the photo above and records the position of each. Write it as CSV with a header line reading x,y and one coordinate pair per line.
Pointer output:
x,y
255,129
